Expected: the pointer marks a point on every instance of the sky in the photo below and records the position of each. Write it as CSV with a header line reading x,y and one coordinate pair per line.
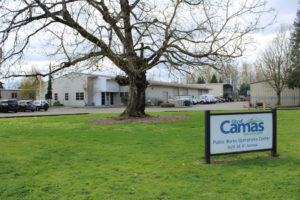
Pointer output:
x,y
285,11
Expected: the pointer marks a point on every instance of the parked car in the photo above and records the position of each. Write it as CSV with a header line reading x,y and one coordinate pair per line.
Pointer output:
x,y
228,97
207,98
220,100
26,105
187,100
9,105
41,104
243,98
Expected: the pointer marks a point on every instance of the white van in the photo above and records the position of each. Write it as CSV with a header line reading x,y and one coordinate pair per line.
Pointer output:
x,y
207,98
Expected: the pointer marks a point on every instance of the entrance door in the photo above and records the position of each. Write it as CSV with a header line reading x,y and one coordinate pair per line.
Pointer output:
x,y
111,98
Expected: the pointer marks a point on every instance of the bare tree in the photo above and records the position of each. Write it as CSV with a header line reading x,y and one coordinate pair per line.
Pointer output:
x,y
134,35
275,62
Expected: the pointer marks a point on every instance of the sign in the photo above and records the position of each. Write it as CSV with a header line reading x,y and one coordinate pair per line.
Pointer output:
x,y
227,133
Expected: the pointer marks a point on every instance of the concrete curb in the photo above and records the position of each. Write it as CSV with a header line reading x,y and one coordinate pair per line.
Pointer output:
x,y
46,115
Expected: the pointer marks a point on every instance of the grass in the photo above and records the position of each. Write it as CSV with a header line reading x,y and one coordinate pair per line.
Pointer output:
x,y
65,157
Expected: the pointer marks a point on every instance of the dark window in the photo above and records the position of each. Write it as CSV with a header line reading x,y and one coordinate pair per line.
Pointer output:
x,y
14,95
55,96
123,94
111,98
67,96
79,96
103,98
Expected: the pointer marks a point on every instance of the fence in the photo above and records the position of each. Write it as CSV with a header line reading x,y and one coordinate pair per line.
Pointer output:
x,y
272,100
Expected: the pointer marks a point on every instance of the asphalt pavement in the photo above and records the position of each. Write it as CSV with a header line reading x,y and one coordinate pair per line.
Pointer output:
x,y
86,110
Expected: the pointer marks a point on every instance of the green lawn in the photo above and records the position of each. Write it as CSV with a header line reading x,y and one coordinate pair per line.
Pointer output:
x,y
67,158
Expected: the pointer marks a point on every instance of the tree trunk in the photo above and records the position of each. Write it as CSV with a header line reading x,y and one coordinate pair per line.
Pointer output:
x,y
278,98
137,96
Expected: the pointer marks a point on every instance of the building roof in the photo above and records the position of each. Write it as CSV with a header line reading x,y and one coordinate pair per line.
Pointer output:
x,y
261,81
151,82
208,84
10,90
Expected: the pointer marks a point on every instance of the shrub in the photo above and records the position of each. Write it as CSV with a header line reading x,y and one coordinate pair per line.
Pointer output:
x,y
259,104
57,103
167,105
186,103
156,102
124,100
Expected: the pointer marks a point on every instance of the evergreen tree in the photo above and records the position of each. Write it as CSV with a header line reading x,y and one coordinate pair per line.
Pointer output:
x,y
49,88
1,85
244,87
220,80
214,79
294,73
200,80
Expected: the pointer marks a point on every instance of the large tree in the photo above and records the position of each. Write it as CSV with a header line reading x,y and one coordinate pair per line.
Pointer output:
x,y
294,73
134,35
274,63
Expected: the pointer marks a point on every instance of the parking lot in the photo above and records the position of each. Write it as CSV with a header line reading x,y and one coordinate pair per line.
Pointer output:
x,y
86,110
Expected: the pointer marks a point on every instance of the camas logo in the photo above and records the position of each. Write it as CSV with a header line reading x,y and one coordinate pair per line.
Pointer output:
x,y
252,126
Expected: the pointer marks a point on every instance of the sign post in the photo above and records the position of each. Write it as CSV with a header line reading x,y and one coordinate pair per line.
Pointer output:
x,y
242,132
207,136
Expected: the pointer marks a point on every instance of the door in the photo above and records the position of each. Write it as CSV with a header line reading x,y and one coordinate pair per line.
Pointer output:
x,y
111,98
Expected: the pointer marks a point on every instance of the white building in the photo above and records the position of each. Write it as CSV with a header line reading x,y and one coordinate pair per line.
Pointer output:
x,y
78,89
263,92
10,94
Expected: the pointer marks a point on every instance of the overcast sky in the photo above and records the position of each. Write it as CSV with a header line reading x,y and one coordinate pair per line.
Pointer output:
x,y
286,14
285,10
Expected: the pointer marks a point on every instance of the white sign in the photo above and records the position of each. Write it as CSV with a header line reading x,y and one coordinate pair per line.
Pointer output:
x,y
240,132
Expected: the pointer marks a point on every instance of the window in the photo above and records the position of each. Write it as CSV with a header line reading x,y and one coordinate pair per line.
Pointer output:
x,y
14,95
111,98
55,96
123,94
103,98
79,96
67,96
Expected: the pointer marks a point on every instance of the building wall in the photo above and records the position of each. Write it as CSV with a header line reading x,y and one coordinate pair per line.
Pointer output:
x,y
216,88
263,92
10,94
160,92
193,92
112,86
91,86
107,86
96,88
71,84
99,85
